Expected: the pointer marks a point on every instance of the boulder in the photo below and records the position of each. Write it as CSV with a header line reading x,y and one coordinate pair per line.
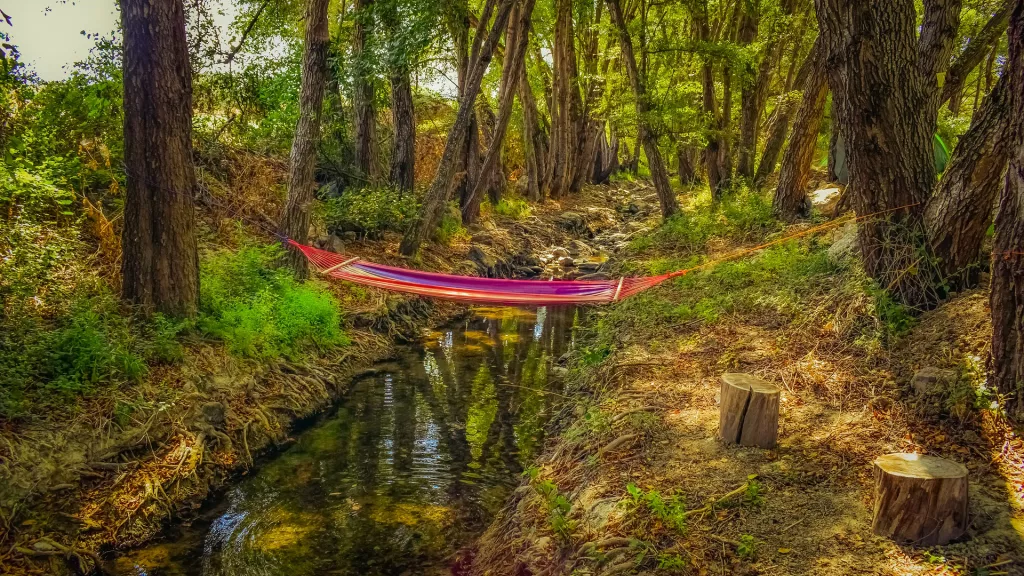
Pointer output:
x,y
573,222
844,244
214,414
931,379
567,262
559,252
825,199
589,267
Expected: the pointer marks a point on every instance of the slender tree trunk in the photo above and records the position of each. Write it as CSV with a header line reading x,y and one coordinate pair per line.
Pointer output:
x,y
666,196
403,153
534,142
784,111
1006,365
516,41
362,88
883,106
437,195
975,52
565,114
790,201
302,163
160,265
959,213
686,162
713,151
752,91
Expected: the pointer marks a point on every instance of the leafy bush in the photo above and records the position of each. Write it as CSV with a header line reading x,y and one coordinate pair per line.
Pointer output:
x,y
260,311
514,208
744,215
450,230
369,211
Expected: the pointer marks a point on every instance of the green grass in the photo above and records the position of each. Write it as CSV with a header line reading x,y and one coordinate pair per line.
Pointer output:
x,y
514,208
260,311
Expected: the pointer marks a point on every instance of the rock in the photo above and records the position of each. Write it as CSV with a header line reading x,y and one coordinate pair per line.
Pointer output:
x,y
970,437
577,247
43,546
483,261
567,262
590,267
526,271
931,379
213,413
559,252
537,270
844,244
559,371
573,222
596,276
530,260
825,199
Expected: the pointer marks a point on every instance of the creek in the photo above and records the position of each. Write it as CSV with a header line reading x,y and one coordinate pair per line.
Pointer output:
x,y
401,474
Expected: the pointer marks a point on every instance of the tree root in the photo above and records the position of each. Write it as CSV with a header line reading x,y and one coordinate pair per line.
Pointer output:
x,y
617,443
44,547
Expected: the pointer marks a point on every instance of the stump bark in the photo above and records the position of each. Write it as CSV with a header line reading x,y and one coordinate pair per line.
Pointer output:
x,y
749,411
919,499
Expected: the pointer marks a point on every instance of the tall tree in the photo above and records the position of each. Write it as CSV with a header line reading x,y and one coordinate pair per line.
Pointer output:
x,y
790,199
302,162
884,79
403,150
363,90
437,195
648,138
160,265
1007,298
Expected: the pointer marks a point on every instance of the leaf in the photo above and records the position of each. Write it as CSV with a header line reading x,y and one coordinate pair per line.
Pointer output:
x,y
785,550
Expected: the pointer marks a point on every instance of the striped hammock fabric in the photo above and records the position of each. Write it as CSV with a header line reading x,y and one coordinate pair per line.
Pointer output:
x,y
473,289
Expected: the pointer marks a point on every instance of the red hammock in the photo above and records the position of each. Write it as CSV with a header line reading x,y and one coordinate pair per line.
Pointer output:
x,y
472,289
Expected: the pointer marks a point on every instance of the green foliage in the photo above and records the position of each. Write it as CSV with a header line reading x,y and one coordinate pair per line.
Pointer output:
x,y
260,311
747,548
744,215
514,208
670,509
369,211
671,562
450,230
897,319
558,506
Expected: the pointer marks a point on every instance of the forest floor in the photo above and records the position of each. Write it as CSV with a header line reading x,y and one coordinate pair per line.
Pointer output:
x,y
637,481
86,479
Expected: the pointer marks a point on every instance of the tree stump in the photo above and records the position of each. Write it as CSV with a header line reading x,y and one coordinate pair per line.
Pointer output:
x,y
749,411
919,499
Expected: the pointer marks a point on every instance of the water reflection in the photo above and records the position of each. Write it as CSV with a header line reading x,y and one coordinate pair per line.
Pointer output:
x,y
416,459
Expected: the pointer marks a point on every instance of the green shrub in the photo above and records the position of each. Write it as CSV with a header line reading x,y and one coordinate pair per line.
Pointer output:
x,y
514,208
744,215
450,229
260,311
369,211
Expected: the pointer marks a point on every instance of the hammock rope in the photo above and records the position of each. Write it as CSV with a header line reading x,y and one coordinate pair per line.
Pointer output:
x,y
529,292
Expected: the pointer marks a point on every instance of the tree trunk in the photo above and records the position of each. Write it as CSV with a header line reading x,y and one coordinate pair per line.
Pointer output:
x,y
751,93
882,105
959,213
534,141
565,112
403,153
748,412
713,150
686,162
666,196
302,163
784,111
362,89
1006,364
517,39
790,201
975,52
160,266
437,195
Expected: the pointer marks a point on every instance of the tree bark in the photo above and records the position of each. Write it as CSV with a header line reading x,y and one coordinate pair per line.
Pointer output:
x,y
752,92
779,127
302,163
686,162
436,196
160,266
920,499
565,113
362,89
666,196
713,151
790,201
534,140
403,153
959,213
749,411
1006,364
883,105
517,39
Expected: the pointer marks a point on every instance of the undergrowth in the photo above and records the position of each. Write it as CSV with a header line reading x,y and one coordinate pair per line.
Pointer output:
x,y
368,211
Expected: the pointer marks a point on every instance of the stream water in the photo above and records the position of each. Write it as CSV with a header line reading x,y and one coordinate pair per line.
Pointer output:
x,y
412,463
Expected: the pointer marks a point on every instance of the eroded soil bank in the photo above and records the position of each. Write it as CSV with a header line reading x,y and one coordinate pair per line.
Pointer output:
x,y
77,492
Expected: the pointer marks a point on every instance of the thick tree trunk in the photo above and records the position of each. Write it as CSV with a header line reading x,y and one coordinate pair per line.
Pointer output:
x,y
160,266
921,500
302,163
403,153
686,163
755,84
362,88
437,195
790,201
959,213
666,196
1006,365
883,105
566,112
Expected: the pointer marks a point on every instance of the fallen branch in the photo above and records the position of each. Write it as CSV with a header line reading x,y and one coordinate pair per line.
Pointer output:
x,y
618,442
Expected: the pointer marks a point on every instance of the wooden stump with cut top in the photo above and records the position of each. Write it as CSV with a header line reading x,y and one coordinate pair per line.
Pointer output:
x,y
919,499
749,411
